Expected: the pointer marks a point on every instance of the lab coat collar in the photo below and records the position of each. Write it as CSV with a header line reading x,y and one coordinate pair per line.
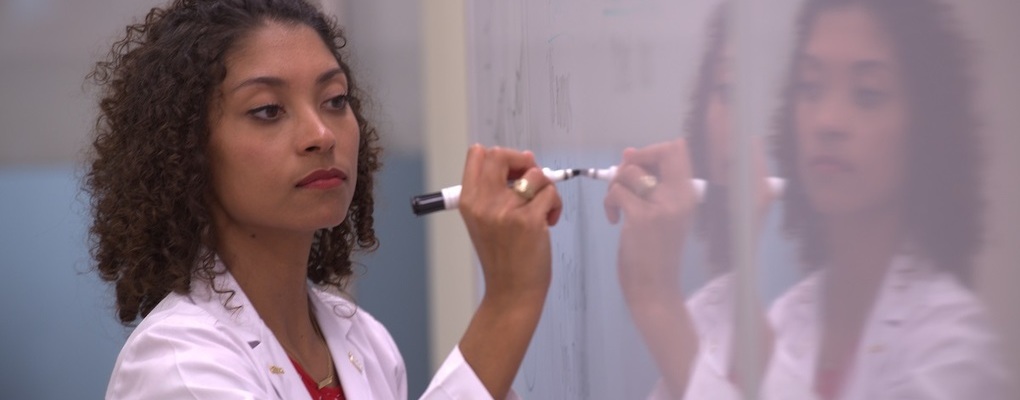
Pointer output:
x,y
898,297
225,300
335,319
229,304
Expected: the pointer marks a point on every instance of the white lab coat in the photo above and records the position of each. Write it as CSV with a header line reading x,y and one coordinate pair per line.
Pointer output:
x,y
927,337
192,346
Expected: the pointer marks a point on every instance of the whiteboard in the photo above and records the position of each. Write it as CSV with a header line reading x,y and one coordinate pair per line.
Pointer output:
x,y
576,82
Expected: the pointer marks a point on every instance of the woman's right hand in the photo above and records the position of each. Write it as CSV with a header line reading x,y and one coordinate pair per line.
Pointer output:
x,y
510,233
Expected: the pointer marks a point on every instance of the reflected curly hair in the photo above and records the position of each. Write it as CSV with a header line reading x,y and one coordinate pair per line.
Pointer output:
x,y
713,215
149,176
943,158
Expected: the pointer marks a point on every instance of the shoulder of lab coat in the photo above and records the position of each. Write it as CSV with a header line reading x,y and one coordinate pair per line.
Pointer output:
x,y
944,344
182,351
927,337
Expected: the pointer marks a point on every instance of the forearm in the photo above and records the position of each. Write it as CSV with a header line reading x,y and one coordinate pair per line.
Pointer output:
x,y
498,336
666,327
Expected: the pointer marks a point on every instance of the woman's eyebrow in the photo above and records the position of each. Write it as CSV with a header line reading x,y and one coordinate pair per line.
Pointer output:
x,y
260,80
278,82
328,75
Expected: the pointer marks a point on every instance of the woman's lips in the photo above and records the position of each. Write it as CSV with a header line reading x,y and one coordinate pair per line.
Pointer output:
x,y
829,165
323,179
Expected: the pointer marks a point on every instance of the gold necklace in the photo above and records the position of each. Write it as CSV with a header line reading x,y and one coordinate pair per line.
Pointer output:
x,y
329,358
331,376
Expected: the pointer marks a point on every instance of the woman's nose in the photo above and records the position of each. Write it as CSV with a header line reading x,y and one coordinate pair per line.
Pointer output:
x,y
833,117
316,135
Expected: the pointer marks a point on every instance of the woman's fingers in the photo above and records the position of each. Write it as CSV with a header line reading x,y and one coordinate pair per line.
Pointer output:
x,y
543,199
667,160
501,164
638,180
621,200
547,204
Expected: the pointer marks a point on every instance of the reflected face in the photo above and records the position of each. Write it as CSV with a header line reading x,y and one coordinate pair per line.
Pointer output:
x,y
851,115
283,143
717,121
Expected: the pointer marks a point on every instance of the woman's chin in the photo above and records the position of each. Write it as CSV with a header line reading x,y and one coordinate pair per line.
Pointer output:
x,y
833,202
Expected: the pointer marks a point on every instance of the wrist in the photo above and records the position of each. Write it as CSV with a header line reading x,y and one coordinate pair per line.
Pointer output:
x,y
513,302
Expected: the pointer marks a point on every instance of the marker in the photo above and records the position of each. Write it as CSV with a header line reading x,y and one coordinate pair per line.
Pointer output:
x,y
449,198
607,174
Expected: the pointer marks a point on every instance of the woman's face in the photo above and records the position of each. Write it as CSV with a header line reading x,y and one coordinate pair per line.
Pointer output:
x,y
850,115
283,143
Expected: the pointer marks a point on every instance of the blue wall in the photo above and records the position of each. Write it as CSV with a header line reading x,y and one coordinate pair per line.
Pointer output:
x,y
59,335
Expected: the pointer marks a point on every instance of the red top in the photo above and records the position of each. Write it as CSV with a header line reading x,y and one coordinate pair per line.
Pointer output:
x,y
326,393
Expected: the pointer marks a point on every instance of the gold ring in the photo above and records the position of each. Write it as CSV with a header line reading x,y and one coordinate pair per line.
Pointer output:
x,y
646,184
524,188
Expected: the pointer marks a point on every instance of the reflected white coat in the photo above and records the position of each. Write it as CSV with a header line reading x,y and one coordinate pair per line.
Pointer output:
x,y
927,337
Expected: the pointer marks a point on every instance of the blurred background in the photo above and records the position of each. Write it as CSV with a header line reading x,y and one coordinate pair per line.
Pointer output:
x,y
424,65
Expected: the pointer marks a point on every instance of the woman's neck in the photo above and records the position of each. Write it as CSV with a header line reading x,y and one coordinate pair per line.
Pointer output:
x,y
271,268
862,246
858,251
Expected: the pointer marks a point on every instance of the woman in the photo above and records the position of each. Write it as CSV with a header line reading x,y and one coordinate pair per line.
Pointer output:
x,y
232,183
876,103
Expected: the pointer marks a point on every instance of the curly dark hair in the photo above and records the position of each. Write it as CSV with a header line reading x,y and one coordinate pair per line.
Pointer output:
x,y
943,220
713,217
149,177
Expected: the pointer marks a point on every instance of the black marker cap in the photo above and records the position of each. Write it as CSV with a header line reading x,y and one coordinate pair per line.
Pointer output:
x,y
428,203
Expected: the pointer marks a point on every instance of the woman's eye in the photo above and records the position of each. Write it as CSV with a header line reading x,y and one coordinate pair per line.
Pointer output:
x,y
269,112
338,102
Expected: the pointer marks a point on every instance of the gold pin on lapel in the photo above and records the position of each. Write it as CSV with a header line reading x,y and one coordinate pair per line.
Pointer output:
x,y
276,370
354,361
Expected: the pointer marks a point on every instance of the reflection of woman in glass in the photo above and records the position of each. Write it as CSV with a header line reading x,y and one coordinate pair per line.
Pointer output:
x,y
876,137
878,140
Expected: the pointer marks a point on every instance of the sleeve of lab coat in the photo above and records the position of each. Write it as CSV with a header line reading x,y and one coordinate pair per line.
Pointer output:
x,y
456,380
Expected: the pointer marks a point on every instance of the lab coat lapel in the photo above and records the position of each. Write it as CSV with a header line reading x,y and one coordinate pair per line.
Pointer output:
x,y
284,377
884,329
334,319
241,314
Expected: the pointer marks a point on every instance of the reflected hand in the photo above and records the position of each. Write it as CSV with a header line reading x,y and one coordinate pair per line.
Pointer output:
x,y
656,214
655,217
